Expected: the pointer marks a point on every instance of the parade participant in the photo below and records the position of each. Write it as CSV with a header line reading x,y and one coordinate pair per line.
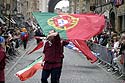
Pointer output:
x,y
2,59
53,57
24,38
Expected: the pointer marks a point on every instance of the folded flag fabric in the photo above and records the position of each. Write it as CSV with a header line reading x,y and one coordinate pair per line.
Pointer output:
x,y
82,46
29,70
40,45
71,26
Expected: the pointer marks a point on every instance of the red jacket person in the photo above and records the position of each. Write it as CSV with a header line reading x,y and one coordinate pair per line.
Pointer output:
x,y
53,57
2,60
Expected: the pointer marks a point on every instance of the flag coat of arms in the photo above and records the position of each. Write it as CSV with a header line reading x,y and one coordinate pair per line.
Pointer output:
x,y
71,26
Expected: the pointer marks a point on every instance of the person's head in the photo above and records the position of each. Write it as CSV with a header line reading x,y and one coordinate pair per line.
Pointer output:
x,y
116,38
2,41
51,35
23,30
123,38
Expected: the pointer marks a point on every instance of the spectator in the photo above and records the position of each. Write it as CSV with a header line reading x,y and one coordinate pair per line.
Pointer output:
x,y
2,59
24,38
122,53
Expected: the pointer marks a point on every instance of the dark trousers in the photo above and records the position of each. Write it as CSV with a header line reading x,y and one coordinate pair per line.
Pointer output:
x,y
55,75
24,43
2,82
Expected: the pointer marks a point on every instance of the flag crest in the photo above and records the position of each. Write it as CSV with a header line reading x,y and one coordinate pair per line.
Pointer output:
x,y
63,22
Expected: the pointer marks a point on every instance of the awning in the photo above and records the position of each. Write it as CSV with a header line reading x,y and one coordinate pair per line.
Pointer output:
x,y
26,24
11,20
1,20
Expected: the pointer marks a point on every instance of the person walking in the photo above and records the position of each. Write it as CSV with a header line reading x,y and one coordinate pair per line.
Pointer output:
x,y
53,57
2,59
24,38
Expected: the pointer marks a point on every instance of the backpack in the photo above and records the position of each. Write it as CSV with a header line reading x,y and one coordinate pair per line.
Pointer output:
x,y
24,37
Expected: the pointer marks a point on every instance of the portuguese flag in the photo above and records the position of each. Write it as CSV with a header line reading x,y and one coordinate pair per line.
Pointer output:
x,y
71,26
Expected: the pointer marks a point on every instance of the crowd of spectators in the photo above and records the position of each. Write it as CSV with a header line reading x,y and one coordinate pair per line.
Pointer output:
x,y
13,40
115,44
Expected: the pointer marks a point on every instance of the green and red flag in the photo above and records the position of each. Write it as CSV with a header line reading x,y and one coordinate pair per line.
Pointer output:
x,y
71,26
30,70
40,45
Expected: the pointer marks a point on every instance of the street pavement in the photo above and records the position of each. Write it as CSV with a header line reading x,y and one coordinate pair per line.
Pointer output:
x,y
76,69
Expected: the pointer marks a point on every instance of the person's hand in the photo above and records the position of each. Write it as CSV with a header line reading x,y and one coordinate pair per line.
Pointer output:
x,y
53,34
50,38
42,63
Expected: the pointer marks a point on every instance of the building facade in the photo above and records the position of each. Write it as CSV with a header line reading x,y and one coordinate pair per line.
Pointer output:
x,y
78,6
120,17
114,11
26,7
8,9
43,5
21,9
107,8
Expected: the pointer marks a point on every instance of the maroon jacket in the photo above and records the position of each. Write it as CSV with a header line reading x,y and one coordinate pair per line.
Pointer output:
x,y
2,63
25,37
54,53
